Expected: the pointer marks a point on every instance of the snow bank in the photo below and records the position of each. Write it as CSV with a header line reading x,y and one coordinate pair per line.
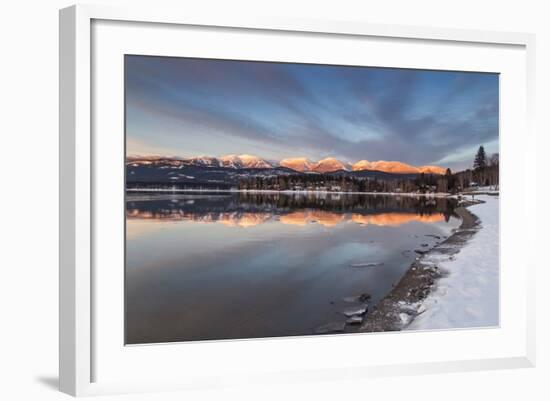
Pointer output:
x,y
469,295
490,189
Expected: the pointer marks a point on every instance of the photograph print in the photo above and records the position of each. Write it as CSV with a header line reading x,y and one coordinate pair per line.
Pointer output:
x,y
269,199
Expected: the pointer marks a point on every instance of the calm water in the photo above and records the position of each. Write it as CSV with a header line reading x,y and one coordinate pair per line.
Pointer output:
x,y
206,266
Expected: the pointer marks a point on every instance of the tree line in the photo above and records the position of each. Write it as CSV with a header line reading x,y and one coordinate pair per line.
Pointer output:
x,y
484,173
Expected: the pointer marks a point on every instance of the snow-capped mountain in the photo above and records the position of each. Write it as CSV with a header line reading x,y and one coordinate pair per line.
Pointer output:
x,y
243,161
206,161
432,170
361,165
302,164
396,167
385,166
298,164
328,165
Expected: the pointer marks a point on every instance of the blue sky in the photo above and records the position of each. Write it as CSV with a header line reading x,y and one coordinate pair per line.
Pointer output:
x,y
190,107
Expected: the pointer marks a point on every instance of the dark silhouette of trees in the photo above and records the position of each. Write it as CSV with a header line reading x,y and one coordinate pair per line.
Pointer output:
x,y
486,169
493,170
450,181
485,173
494,159
480,161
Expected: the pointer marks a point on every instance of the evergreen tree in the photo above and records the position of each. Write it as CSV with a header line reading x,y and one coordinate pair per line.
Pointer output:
x,y
451,180
480,161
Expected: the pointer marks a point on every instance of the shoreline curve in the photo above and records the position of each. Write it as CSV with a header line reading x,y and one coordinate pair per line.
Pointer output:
x,y
395,311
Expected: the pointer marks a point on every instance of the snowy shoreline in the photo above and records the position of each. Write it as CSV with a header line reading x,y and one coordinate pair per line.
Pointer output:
x,y
453,285
467,295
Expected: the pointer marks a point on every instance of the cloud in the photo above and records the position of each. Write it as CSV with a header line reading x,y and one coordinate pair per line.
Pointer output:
x,y
415,116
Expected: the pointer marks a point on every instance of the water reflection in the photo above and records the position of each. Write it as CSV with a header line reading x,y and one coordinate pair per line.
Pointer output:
x,y
248,210
239,265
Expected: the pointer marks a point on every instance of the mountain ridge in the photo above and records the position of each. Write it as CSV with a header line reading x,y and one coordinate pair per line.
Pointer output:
x,y
298,164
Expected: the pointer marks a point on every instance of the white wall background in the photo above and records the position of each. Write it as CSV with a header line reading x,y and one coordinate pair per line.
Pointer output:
x,y
29,208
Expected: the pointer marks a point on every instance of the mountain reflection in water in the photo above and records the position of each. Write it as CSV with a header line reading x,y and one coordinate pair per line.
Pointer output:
x,y
203,266
248,210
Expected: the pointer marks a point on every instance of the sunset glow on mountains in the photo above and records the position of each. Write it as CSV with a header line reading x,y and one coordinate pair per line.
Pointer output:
x,y
300,164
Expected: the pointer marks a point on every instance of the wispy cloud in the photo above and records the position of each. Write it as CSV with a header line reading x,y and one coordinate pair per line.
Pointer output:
x,y
276,110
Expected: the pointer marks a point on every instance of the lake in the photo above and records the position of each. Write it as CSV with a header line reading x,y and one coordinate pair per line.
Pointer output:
x,y
205,266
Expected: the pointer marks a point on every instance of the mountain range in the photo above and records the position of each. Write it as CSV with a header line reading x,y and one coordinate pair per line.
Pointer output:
x,y
230,170
299,164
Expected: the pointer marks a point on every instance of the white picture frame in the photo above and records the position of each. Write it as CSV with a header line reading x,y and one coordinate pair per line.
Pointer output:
x,y
78,162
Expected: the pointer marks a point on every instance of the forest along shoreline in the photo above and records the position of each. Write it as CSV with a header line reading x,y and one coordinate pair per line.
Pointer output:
x,y
398,308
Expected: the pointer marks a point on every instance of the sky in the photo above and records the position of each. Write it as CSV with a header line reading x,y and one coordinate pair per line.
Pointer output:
x,y
189,107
